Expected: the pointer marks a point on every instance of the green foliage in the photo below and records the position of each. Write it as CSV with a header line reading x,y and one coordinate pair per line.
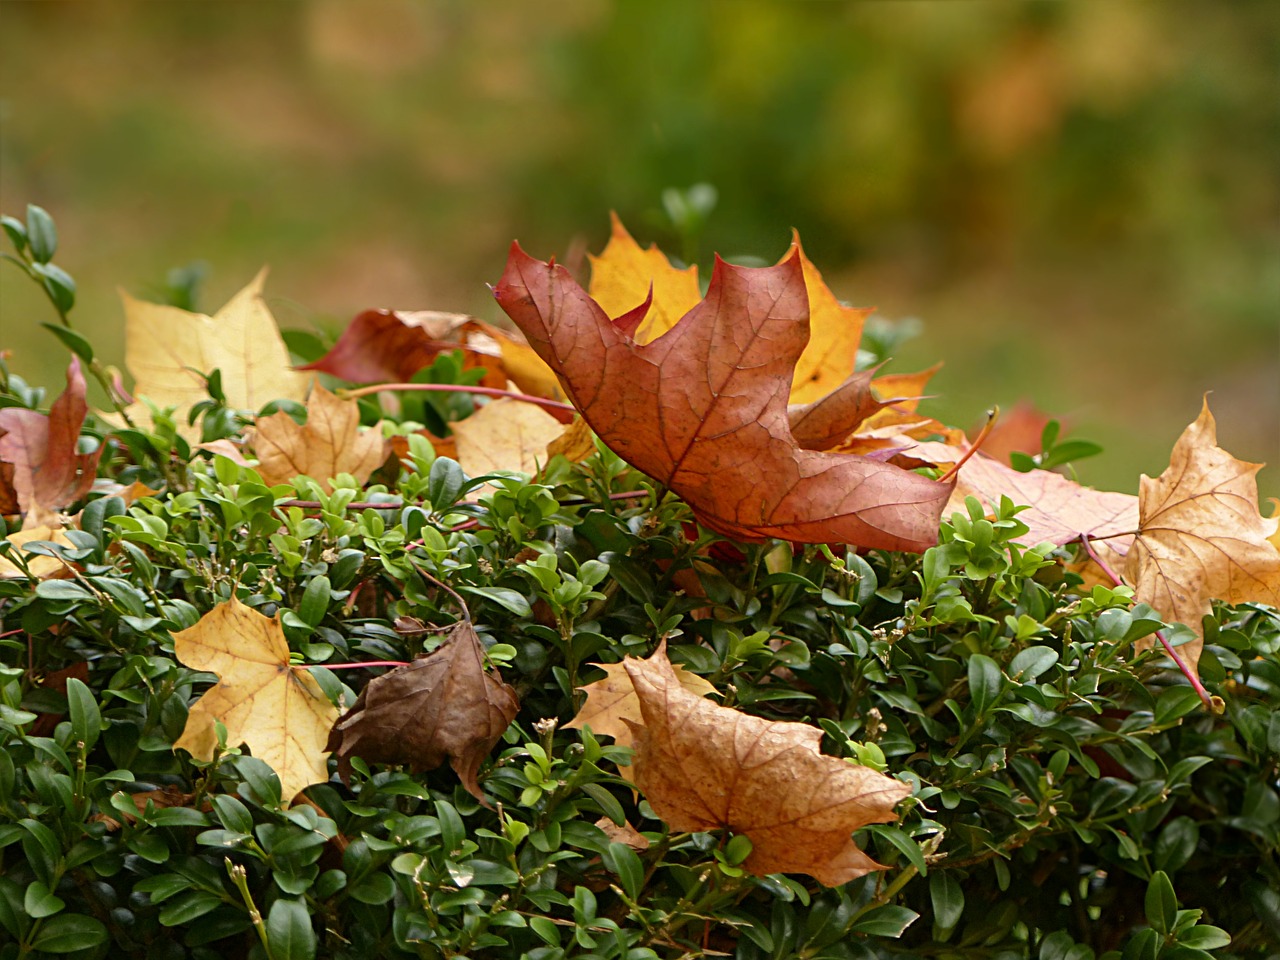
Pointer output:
x,y
1069,797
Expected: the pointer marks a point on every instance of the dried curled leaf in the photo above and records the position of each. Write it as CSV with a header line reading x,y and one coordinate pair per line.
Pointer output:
x,y
613,709
1202,535
42,469
703,408
443,705
506,434
42,566
260,698
706,767
331,442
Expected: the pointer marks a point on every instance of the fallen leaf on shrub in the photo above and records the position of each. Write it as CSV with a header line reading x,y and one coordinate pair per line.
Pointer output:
x,y
826,422
331,442
168,350
1060,510
703,409
621,277
575,443
612,708
42,567
707,767
442,705
1202,535
260,698
626,834
45,470
505,434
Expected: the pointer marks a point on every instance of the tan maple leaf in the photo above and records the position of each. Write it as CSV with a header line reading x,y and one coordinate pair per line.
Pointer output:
x,y
260,698
167,350
707,767
42,468
703,408
443,705
1201,535
329,443
505,434
612,708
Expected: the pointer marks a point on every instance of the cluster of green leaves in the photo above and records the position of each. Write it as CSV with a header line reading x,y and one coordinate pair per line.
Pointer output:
x,y
1068,794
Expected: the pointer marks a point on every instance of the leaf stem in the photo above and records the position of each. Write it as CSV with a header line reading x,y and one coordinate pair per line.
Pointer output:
x,y
352,666
457,388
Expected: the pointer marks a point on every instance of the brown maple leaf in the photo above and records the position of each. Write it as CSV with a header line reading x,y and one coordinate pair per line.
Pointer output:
x,y
330,443
382,345
260,698
707,767
444,705
44,470
703,409
612,708
1201,535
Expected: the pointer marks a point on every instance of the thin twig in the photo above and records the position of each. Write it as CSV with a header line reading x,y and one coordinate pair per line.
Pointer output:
x,y
992,416
457,388
1212,704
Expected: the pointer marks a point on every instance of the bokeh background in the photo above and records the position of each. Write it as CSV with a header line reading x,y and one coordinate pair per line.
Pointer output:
x,y
1079,199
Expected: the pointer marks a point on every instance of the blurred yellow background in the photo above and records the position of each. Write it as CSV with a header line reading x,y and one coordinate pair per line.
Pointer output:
x,y
1079,199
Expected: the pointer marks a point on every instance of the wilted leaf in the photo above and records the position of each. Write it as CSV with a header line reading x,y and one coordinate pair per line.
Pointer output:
x,y
706,767
331,442
168,349
703,408
443,705
505,434
625,834
45,471
42,567
834,334
575,443
1201,535
260,698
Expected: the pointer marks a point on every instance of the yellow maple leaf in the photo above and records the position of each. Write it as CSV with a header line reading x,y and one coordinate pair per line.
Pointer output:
x,y
621,277
505,434
1201,535
260,698
167,349
329,443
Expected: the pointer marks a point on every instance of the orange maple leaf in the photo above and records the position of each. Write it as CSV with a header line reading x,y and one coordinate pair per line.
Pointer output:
x,y
703,408
706,767
1201,535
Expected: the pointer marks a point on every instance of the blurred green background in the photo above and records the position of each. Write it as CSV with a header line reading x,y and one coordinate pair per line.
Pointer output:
x,y
1079,199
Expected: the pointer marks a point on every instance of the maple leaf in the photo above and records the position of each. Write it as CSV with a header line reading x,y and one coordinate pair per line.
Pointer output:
x,y
167,350
44,470
612,708
505,434
703,409
1059,510
706,767
622,276
329,443
260,698
625,275
386,345
1201,535
443,705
